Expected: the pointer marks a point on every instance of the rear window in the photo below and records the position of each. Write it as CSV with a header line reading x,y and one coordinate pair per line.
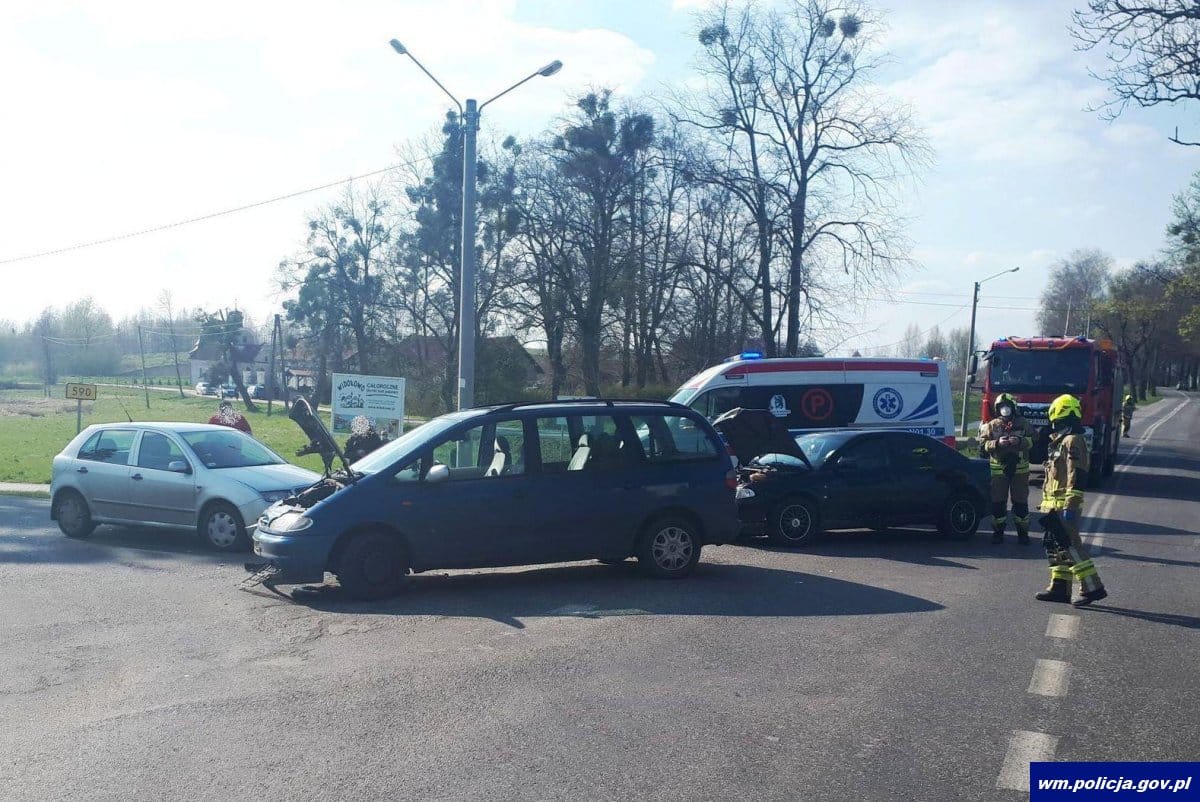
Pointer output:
x,y
673,438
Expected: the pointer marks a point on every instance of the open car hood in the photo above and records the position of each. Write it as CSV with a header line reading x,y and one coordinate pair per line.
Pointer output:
x,y
751,433
320,440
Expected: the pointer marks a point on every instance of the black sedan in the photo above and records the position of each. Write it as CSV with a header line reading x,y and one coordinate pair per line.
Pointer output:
x,y
798,487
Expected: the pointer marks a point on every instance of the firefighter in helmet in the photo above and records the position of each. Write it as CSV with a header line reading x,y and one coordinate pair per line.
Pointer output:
x,y
1062,500
1007,439
1127,408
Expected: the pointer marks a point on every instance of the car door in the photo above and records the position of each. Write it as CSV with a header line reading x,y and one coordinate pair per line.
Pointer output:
x,y
580,487
103,472
162,484
858,488
475,514
679,467
918,491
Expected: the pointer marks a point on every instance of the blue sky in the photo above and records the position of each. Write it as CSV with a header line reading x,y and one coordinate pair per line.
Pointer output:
x,y
134,114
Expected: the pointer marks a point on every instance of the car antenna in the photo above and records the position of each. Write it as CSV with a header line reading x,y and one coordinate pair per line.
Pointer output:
x,y
123,409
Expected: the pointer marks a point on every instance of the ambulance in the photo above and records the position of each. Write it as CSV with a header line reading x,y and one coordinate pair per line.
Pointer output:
x,y
911,395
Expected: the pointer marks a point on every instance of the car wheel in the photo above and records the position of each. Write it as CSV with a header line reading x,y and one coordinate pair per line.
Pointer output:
x,y
795,522
221,527
960,517
74,518
669,548
372,566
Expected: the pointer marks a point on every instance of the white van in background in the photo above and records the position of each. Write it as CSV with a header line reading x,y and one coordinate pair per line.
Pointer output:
x,y
911,395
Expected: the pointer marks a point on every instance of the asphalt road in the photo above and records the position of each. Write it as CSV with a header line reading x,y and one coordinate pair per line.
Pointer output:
x,y
876,666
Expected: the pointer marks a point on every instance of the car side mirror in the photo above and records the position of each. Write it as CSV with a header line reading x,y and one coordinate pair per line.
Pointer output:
x,y
179,466
972,368
438,473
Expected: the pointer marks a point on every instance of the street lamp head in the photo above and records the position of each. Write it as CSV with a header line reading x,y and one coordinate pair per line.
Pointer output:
x,y
1014,270
399,48
549,69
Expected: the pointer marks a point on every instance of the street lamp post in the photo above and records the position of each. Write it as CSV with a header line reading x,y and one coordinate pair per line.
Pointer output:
x,y
469,126
967,373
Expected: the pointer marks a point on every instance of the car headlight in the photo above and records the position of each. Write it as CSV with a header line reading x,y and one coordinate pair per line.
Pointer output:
x,y
291,522
274,495
744,492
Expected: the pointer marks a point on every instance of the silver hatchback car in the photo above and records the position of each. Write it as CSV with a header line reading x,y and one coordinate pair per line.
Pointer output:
x,y
177,475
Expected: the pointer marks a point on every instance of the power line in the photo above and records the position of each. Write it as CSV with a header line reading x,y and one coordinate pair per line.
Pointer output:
x,y
942,322
209,216
960,294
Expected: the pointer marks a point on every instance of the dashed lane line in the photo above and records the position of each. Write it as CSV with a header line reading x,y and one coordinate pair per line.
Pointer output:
x,y
1050,678
1024,748
1065,627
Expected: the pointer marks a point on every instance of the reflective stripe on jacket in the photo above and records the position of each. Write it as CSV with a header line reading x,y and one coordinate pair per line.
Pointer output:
x,y
989,442
1066,472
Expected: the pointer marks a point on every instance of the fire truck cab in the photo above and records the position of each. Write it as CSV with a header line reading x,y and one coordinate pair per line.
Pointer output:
x,y
1036,370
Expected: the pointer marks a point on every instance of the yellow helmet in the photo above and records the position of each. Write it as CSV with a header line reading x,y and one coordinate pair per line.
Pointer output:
x,y
1004,398
1064,406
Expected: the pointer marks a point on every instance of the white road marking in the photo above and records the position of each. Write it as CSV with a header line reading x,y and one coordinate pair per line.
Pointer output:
x,y
1063,626
1155,426
1050,678
1024,748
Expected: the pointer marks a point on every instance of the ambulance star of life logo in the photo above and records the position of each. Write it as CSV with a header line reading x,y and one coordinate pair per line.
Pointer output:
x,y
888,403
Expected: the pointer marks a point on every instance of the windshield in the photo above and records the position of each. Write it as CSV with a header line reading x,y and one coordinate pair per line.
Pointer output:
x,y
684,395
229,448
1061,371
818,446
409,442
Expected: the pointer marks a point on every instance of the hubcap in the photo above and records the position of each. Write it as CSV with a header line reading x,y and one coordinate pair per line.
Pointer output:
x,y
672,548
794,522
962,516
71,513
377,566
222,529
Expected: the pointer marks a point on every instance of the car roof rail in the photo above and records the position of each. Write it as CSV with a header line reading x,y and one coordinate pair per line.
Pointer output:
x,y
509,406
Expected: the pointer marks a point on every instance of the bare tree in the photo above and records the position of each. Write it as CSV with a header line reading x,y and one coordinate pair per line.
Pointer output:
x,y
1152,48
166,305
831,152
1076,286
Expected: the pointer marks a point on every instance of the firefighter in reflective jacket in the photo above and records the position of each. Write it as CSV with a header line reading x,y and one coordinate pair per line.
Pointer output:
x,y
1062,501
1127,408
1007,439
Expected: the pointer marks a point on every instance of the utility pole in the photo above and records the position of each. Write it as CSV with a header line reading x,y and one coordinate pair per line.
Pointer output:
x,y
271,367
466,306
962,429
469,122
968,374
142,350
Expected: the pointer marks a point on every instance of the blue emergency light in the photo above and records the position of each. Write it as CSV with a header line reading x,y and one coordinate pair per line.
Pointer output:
x,y
750,355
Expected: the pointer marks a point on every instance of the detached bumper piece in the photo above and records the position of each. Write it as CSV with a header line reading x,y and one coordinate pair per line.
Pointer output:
x,y
261,573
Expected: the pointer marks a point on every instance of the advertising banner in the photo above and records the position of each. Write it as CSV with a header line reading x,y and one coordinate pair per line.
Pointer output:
x,y
378,398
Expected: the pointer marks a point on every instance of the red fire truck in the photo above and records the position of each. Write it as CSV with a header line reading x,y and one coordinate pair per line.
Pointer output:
x,y
1036,370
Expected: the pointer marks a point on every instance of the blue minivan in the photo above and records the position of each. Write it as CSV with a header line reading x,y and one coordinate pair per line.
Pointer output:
x,y
516,484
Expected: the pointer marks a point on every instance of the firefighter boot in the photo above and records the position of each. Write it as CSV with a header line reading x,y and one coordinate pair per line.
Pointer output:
x,y
1060,586
1023,531
999,521
1090,596
1090,587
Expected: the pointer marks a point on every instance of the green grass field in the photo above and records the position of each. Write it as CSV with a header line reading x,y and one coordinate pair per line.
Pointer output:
x,y
34,428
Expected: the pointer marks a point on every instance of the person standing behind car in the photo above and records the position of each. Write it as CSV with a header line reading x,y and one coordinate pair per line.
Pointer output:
x,y
363,438
1007,440
228,416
